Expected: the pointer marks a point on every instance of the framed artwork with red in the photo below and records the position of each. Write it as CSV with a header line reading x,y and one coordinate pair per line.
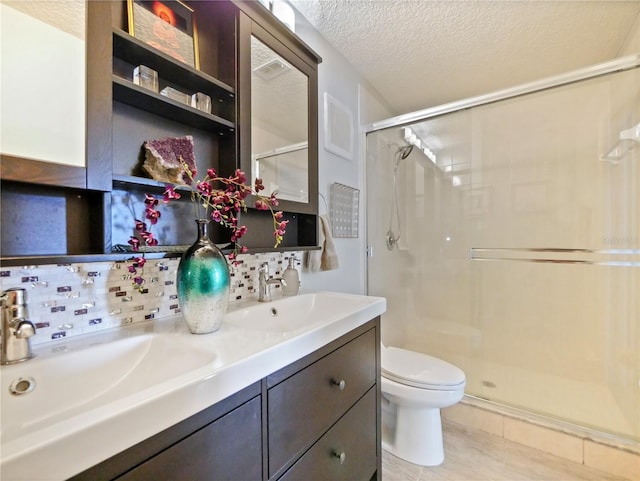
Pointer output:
x,y
168,26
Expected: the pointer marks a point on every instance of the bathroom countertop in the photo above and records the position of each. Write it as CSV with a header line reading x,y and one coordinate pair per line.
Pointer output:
x,y
88,435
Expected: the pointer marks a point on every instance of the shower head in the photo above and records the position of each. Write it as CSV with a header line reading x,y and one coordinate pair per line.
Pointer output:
x,y
392,238
404,152
401,154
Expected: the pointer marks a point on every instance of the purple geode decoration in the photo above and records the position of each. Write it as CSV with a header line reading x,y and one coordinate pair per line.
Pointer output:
x,y
162,160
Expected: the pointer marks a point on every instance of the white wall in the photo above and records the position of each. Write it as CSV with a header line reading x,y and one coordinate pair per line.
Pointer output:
x,y
632,43
337,77
42,59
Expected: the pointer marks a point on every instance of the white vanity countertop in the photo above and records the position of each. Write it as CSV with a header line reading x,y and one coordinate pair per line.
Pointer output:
x,y
235,356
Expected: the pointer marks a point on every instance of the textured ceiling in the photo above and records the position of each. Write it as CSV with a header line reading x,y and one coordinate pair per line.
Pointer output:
x,y
68,16
420,53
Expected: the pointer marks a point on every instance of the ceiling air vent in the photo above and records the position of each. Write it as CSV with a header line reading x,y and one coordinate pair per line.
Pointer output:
x,y
271,69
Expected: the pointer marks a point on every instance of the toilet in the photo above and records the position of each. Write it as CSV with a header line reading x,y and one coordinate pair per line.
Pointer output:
x,y
415,387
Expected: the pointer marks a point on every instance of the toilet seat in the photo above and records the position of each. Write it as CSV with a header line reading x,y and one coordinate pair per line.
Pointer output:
x,y
420,370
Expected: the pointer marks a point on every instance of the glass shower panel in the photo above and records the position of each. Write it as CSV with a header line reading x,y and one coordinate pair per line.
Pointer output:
x,y
426,277
519,259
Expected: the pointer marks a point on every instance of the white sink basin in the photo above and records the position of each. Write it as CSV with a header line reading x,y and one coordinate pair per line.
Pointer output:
x,y
70,383
298,313
103,393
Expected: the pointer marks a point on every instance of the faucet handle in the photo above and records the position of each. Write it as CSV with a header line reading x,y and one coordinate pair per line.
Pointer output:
x,y
15,296
25,329
264,267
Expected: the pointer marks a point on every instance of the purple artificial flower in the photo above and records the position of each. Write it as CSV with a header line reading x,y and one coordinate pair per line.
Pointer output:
x,y
149,239
223,201
150,200
140,226
170,194
152,215
240,176
135,243
281,228
238,233
204,188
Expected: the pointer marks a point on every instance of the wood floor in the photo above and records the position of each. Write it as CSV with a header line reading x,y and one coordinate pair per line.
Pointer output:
x,y
473,455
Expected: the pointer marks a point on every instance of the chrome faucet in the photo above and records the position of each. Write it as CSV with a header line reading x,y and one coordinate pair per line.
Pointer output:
x,y
16,329
264,283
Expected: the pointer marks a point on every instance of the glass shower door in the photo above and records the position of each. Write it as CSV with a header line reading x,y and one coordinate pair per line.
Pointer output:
x,y
519,258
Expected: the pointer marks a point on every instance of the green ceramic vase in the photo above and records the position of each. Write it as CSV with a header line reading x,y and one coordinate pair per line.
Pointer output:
x,y
203,283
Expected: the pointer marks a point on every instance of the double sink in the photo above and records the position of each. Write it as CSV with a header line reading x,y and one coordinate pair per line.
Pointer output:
x,y
101,393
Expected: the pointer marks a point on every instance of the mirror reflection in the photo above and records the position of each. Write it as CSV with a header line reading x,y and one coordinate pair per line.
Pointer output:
x,y
279,124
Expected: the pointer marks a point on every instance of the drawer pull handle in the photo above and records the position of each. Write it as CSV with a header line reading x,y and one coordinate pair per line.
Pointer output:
x,y
339,384
340,456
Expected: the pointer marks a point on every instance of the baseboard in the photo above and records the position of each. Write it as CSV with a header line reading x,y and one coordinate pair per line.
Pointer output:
x,y
597,450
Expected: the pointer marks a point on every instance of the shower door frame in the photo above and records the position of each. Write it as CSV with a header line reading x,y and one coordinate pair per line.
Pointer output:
x,y
617,65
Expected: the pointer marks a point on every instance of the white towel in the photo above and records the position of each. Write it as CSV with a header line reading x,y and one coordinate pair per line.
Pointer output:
x,y
325,259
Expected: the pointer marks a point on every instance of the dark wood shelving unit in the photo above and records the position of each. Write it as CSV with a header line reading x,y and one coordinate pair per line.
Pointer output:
x,y
135,52
20,169
131,94
91,203
125,181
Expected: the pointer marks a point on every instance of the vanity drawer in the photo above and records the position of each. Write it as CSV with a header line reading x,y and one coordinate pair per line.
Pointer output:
x,y
347,452
228,449
302,407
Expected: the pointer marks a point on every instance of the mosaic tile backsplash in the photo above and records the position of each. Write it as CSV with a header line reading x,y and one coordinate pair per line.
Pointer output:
x,y
72,299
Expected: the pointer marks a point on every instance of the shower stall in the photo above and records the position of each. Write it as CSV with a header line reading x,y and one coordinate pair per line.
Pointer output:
x,y
515,243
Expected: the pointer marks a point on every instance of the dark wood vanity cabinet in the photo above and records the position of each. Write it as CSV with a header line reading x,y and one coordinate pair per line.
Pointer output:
x,y
314,420
212,452
323,412
302,407
345,452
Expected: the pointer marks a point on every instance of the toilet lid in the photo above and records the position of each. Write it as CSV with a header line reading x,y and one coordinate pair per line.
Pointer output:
x,y
417,369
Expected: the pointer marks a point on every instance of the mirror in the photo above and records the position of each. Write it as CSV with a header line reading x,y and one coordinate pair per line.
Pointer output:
x,y
43,80
279,124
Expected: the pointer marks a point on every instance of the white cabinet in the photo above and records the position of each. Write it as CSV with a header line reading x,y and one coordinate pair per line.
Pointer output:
x,y
43,92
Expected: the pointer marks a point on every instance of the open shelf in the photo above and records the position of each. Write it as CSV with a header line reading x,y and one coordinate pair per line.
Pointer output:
x,y
135,52
131,94
155,187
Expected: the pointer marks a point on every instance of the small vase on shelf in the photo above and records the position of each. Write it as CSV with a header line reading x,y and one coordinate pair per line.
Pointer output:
x,y
203,283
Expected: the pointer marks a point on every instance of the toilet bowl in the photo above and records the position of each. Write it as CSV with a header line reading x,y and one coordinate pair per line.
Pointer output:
x,y
414,389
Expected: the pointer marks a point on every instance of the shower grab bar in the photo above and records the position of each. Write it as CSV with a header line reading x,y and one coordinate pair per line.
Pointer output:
x,y
557,249
530,255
